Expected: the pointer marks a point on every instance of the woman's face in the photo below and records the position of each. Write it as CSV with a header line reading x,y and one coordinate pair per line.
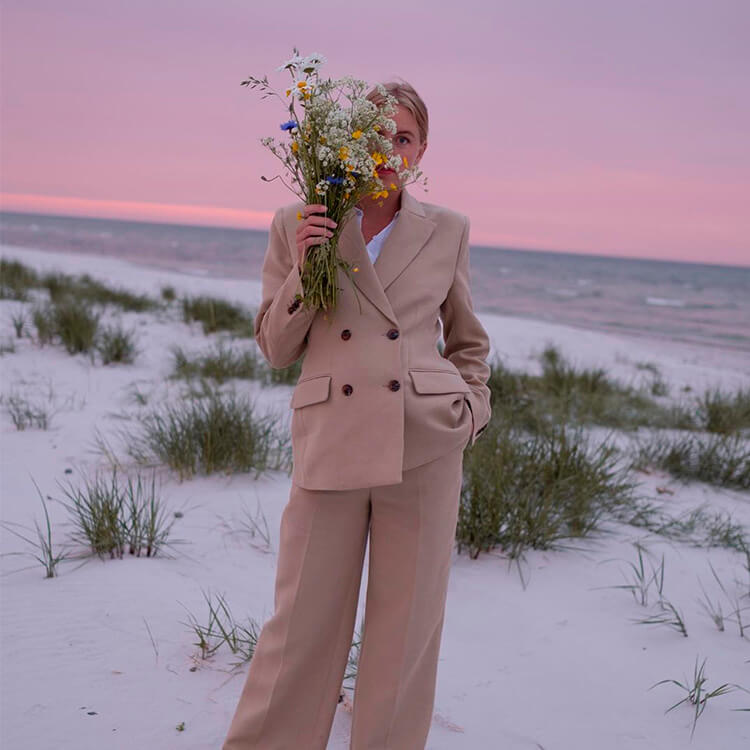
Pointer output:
x,y
405,142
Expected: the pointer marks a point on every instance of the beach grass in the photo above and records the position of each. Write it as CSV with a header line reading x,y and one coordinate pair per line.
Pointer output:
x,y
697,695
217,314
116,344
701,526
718,459
223,363
18,279
222,629
563,392
24,412
724,413
71,321
210,431
42,548
114,518
536,489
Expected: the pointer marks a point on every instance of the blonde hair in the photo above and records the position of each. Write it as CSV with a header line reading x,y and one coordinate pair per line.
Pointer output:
x,y
409,99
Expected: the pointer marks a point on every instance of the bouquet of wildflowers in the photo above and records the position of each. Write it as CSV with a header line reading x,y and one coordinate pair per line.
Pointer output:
x,y
335,141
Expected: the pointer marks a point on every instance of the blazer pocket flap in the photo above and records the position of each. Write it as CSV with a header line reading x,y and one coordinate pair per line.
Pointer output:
x,y
438,381
311,391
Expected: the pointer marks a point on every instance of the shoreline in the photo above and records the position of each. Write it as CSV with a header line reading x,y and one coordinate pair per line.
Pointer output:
x,y
505,331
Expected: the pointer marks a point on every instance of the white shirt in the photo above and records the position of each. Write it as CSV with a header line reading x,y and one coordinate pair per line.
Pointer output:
x,y
374,245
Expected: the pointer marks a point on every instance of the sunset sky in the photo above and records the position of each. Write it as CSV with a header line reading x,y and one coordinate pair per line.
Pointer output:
x,y
588,126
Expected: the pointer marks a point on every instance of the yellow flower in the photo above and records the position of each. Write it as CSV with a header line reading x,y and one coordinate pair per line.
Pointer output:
x,y
406,161
322,139
308,96
393,186
295,146
346,195
355,269
343,153
376,127
378,157
357,134
299,215
288,91
301,84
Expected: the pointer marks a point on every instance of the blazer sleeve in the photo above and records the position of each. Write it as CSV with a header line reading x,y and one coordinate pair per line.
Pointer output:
x,y
467,344
282,322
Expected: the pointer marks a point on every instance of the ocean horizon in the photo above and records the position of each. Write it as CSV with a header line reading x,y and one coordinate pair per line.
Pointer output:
x,y
700,303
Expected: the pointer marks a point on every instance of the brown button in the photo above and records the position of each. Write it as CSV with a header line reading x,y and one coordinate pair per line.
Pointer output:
x,y
394,385
293,306
392,333
346,334
347,389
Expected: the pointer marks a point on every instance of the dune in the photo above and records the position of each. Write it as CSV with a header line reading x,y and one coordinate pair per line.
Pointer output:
x,y
543,654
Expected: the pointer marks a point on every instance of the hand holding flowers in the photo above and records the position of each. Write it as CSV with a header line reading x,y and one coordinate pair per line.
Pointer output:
x,y
331,156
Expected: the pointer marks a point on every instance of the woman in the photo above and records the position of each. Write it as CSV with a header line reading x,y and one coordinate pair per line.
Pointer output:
x,y
380,421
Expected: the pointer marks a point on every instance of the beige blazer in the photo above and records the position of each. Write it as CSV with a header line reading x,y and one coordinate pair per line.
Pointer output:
x,y
375,396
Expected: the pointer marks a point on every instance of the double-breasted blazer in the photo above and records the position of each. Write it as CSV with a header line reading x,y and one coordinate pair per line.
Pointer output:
x,y
375,396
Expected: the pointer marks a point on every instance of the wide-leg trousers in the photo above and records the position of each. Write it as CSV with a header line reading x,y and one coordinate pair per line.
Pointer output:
x,y
295,677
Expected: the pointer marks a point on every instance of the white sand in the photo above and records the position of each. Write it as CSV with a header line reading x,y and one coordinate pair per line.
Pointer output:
x,y
551,662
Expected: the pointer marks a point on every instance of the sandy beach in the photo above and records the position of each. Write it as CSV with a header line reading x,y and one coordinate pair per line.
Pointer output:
x,y
541,654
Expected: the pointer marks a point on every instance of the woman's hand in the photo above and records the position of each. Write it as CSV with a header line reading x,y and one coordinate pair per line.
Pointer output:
x,y
312,229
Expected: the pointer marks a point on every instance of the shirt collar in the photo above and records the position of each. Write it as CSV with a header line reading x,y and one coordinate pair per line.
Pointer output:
x,y
360,212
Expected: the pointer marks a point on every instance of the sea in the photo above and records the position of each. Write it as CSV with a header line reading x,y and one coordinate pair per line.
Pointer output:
x,y
700,303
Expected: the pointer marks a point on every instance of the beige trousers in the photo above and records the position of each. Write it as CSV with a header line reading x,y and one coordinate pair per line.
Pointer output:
x,y
295,676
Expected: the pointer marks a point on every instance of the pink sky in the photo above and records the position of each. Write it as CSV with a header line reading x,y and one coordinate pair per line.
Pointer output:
x,y
595,127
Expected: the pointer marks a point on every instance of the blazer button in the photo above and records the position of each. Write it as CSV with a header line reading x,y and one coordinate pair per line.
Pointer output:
x,y
347,389
346,334
393,333
394,385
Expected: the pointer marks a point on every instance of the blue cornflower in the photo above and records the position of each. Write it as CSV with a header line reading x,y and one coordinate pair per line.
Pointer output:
x,y
335,180
288,125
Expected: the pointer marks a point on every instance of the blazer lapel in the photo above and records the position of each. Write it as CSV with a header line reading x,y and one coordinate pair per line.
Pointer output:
x,y
408,236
